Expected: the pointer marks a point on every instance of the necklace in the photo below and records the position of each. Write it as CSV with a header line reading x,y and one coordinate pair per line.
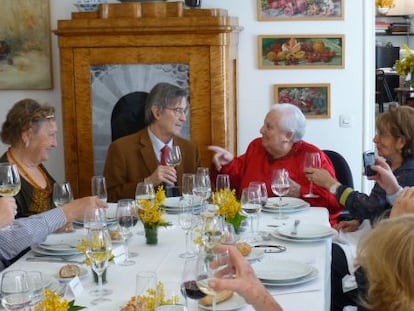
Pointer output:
x,y
46,190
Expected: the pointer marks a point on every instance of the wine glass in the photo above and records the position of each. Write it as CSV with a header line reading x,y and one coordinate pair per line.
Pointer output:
x,y
62,193
229,234
263,190
312,160
211,265
173,157
280,187
93,216
98,186
251,204
37,284
144,191
9,183
211,229
98,250
186,220
189,288
202,188
146,282
127,219
15,290
188,182
222,187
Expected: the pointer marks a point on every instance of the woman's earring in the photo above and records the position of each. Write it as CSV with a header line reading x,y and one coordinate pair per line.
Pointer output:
x,y
26,143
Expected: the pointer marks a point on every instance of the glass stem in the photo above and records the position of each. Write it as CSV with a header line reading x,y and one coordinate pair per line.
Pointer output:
x,y
126,250
100,285
280,207
187,241
311,188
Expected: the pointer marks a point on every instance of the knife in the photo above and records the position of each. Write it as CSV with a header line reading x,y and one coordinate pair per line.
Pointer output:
x,y
270,248
53,259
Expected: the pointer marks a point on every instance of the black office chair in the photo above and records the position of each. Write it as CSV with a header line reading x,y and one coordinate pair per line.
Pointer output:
x,y
128,114
383,92
343,174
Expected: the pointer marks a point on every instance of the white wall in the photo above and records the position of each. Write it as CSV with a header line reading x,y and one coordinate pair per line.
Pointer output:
x,y
256,86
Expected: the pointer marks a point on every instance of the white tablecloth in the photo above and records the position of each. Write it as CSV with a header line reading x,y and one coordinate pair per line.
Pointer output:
x,y
164,259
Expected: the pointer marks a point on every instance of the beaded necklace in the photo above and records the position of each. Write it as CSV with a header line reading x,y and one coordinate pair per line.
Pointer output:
x,y
47,190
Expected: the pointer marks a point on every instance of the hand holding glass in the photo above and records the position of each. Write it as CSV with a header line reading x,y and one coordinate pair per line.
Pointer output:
x,y
173,156
312,160
9,183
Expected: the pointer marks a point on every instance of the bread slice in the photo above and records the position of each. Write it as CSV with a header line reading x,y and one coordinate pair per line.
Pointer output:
x,y
220,297
69,271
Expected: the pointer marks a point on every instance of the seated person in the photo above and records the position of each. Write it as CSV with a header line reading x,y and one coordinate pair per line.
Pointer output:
x,y
27,231
281,146
30,130
137,157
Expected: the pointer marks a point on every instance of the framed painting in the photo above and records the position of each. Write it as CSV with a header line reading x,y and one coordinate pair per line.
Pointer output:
x,y
282,10
25,49
314,100
301,51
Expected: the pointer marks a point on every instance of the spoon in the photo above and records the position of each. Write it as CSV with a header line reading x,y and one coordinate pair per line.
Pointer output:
x,y
295,227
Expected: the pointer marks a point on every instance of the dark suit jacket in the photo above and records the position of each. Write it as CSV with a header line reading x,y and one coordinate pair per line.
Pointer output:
x,y
131,158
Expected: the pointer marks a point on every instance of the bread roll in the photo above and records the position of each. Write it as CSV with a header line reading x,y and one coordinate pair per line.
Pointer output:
x,y
69,271
220,297
244,248
115,235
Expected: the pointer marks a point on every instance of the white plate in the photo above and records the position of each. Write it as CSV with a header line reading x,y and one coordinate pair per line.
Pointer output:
x,y
273,270
174,202
276,235
82,275
311,276
286,210
287,203
170,308
43,251
234,303
306,231
255,254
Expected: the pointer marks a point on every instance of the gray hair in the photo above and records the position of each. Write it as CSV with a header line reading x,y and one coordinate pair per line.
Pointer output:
x,y
162,95
293,120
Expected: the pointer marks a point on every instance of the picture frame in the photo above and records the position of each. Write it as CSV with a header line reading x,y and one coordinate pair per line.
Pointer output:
x,y
25,45
314,100
301,51
280,10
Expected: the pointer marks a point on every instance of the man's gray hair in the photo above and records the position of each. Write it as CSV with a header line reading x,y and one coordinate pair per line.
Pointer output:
x,y
292,120
162,95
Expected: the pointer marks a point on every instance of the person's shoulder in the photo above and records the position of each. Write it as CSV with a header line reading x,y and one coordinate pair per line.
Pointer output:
x,y
304,146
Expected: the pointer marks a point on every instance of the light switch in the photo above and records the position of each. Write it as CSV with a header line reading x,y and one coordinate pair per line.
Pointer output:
x,y
344,120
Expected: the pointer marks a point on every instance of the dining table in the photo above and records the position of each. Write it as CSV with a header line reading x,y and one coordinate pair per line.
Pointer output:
x,y
164,259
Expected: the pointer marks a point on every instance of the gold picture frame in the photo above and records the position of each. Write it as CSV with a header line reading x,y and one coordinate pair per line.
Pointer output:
x,y
314,100
25,45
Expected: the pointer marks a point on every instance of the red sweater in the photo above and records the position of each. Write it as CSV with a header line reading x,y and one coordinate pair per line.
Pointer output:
x,y
256,165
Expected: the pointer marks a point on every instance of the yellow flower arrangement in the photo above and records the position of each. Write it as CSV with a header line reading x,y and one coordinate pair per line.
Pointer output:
x,y
384,3
229,207
53,302
406,65
151,215
82,248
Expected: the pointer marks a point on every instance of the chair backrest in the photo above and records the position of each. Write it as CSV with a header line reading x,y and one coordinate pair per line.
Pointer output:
x,y
128,114
342,170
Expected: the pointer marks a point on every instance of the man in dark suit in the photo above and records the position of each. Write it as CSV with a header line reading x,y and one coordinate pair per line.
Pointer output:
x,y
137,157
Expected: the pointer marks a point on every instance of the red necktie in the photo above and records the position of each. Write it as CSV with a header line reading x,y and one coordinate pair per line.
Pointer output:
x,y
164,154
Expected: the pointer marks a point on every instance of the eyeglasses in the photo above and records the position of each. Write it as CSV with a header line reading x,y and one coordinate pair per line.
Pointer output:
x,y
178,111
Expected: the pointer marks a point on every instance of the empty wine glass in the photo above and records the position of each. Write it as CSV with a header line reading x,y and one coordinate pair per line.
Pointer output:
x,y
93,216
62,193
250,204
280,187
9,183
15,290
312,160
37,284
98,186
229,234
222,187
263,190
173,157
211,229
209,266
202,188
98,250
126,216
186,220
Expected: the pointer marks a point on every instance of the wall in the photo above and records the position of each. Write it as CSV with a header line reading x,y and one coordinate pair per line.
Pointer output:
x,y
256,86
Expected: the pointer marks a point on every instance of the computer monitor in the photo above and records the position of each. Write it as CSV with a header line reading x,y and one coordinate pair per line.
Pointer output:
x,y
385,57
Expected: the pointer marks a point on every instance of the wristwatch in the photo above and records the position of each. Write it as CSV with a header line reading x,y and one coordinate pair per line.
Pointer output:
x,y
334,188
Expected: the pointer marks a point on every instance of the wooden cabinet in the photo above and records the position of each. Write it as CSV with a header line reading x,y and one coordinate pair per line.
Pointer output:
x,y
152,33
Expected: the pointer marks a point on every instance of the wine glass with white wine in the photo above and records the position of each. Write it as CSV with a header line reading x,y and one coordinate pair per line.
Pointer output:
x,y
9,182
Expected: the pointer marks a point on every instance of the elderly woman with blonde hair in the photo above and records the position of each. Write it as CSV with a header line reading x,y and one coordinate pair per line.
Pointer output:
x,y
386,255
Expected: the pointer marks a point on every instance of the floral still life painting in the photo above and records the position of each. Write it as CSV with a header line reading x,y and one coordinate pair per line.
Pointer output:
x,y
299,51
25,52
280,10
312,99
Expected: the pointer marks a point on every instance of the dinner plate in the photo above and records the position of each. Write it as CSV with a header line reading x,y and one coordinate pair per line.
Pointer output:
x,y
234,303
311,276
306,231
287,203
174,202
42,251
276,235
276,271
82,275
285,210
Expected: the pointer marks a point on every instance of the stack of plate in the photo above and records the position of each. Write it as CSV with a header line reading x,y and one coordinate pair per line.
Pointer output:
x,y
286,205
173,205
59,245
284,272
305,233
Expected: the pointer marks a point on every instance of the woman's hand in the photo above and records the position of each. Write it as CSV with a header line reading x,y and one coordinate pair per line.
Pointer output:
x,y
320,177
221,156
384,176
404,203
348,225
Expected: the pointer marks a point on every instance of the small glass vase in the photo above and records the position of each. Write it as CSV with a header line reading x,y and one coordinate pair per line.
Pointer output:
x,y
151,235
95,276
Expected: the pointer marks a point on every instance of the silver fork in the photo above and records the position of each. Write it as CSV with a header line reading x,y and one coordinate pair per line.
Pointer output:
x,y
295,227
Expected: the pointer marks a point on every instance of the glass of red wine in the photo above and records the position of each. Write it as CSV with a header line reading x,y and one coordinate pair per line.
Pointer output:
x,y
127,219
189,288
